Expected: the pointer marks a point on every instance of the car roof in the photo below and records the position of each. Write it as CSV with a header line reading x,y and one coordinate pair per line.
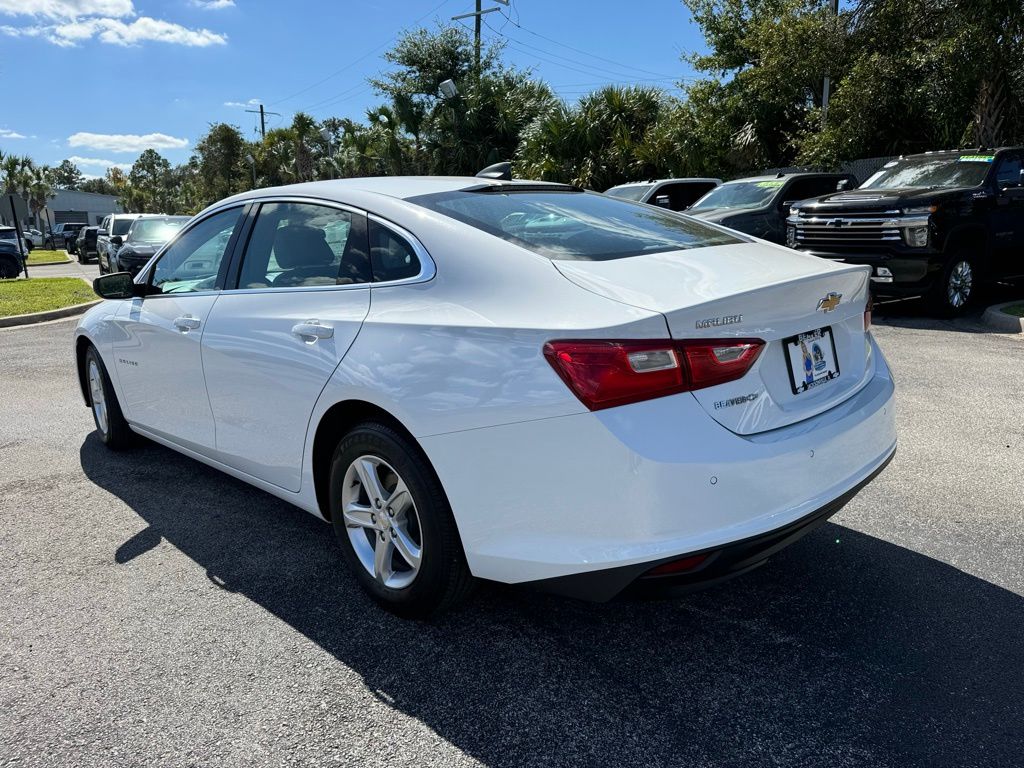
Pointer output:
x,y
785,176
694,179
399,187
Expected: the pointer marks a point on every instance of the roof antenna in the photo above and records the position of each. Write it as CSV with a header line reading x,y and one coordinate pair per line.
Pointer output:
x,y
499,171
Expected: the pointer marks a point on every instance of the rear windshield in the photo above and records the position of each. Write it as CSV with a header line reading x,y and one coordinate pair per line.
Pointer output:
x,y
966,170
573,225
629,191
121,226
156,230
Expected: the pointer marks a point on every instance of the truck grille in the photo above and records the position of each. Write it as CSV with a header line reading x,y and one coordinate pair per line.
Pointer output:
x,y
847,230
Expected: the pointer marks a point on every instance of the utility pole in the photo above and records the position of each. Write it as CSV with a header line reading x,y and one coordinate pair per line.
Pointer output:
x,y
477,14
263,119
828,80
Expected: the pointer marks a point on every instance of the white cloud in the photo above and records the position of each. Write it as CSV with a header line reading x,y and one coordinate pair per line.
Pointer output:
x,y
67,9
242,104
6,133
98,162
142,29
75,21
125,142
211,5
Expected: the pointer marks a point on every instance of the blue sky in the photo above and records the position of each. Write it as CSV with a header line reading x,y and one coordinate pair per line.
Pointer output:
x,y
100,80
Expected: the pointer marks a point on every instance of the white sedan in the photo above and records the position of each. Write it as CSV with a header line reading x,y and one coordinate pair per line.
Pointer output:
x,y
513,381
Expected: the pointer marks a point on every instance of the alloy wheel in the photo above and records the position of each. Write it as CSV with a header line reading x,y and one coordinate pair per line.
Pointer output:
x,y
961,279
99,403
382,522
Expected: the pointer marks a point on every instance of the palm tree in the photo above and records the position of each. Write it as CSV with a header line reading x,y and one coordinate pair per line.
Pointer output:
x,y
40,191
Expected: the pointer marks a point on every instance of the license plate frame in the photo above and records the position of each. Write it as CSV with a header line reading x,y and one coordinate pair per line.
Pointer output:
x,y
808,356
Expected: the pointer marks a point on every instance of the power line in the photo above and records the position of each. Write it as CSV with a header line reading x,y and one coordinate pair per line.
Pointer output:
x,y
577,50
365,56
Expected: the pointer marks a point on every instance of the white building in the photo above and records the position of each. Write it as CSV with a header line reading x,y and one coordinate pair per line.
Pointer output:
x,y
68,205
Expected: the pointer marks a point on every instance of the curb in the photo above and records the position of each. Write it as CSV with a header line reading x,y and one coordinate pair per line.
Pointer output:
x,y
995,317
49,263
51,314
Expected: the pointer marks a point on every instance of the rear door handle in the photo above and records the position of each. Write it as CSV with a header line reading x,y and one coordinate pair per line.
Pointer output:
x,y
187,323
311,330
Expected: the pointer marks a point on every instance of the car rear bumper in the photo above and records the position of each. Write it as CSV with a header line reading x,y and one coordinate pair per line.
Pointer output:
x,y
897,273
639,485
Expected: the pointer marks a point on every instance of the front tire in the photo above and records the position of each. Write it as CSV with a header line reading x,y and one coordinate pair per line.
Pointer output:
x,y
394,524
956,288
111,424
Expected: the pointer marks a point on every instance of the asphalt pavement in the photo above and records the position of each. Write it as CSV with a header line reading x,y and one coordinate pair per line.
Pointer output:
x,y
156,612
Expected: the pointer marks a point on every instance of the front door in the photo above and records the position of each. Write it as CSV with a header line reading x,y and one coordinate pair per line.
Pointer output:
x,y
273,340
158,358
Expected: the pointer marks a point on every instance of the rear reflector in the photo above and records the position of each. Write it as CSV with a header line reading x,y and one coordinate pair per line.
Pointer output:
x,y
677,566
604,374
867,313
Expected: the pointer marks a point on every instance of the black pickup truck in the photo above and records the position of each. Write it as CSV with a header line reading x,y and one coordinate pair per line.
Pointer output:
x,y
933,225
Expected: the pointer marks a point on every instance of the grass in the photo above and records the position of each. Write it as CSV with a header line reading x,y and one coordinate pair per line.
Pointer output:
x,y
19,297
39,256
1017,310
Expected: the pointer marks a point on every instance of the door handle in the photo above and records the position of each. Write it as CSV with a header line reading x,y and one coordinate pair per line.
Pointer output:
x,y
187,323
311,330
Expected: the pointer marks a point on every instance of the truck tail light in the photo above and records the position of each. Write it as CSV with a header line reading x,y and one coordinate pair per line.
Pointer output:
x,y
604,374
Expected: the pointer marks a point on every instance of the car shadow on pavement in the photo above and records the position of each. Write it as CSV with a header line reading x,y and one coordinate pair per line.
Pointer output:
x,y
844,650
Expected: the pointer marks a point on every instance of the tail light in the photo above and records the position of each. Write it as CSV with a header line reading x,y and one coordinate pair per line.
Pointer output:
x,y
604,374
867,313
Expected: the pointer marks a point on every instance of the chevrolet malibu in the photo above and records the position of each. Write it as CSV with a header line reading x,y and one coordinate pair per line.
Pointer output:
x,y
515,381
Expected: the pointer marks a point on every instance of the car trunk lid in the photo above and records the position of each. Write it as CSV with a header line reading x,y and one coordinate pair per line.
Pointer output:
x,y
753,290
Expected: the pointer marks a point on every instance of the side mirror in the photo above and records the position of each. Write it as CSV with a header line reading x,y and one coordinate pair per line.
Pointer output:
x,y
116,286
661,201
842,185
101,232
117,240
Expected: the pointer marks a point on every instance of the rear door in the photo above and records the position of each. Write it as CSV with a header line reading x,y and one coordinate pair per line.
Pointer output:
x,y
158,357
296,302
1007,218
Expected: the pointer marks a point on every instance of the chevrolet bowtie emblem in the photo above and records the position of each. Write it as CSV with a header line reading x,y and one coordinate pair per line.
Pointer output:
x,y
830,302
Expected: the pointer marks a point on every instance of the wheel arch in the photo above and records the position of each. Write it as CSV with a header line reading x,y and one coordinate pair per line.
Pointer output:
x,y
82,344
968,236
333,425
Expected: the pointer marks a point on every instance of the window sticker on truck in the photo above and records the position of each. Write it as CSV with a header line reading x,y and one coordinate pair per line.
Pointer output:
x,y
769,184
977,158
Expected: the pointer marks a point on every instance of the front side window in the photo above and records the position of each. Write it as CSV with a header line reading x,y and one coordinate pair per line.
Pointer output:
x,y
740,194
302,245
965,170
193,261
121,227
573,225
1008,172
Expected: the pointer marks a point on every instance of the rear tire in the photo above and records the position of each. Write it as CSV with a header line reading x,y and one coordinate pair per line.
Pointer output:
x,y
9,268
957,286
394,524
111,424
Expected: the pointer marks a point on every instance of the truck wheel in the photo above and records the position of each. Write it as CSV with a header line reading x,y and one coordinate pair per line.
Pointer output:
x,y
956,287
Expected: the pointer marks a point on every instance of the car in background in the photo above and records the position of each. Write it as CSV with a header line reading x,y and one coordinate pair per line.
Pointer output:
x,y
935,225
64,235
674,194
33,237
110,237
10,234
759,205
10,260
616,395
85,244
146,235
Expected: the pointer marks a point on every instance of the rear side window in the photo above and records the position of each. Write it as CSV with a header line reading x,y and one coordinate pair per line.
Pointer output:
x,y
573,225
391,255
301,245
1008,172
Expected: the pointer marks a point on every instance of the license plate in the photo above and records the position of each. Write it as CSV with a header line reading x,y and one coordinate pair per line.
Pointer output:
x,y
812,359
